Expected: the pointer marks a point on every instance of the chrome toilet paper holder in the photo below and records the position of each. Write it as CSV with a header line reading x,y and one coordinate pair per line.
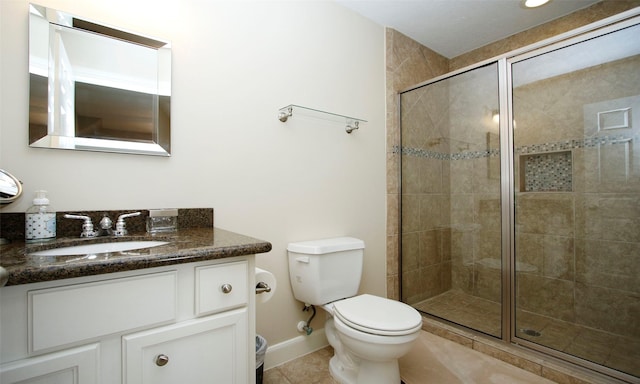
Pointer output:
x,y
262,287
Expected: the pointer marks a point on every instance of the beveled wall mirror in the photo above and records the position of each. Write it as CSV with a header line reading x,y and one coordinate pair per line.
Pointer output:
x,y
97,88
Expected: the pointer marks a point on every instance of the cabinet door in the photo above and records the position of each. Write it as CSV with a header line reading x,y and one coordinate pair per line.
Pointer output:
x,y
212,349
73,366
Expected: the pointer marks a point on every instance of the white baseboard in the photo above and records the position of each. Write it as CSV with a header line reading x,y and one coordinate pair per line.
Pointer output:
x,y
291,349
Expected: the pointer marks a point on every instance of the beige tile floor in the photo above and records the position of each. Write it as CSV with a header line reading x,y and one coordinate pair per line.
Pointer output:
x,y
309,369
615,351
432,360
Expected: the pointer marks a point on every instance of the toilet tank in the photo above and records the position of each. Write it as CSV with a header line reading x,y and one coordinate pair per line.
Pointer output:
x,y
322,271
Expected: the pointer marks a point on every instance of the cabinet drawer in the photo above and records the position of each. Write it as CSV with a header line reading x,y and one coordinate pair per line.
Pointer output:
x,y
221,287
70,314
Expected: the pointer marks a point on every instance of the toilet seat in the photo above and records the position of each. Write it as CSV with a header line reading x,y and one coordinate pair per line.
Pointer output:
x,y
378,315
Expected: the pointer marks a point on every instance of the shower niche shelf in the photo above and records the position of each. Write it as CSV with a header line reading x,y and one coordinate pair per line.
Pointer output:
x,y
546,172
351,123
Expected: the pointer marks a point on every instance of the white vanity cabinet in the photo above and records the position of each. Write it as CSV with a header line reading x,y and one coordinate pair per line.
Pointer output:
x,y
187,323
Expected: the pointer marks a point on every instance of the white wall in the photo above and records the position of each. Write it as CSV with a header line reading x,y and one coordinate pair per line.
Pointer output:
x,y
234,65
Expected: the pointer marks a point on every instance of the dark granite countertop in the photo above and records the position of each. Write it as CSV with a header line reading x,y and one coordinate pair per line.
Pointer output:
x,y
185,246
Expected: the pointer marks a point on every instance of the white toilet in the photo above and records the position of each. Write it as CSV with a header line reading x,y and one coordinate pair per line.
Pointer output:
x,y
368,333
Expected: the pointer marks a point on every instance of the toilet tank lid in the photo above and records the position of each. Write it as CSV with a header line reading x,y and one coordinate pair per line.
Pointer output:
x,y
322,246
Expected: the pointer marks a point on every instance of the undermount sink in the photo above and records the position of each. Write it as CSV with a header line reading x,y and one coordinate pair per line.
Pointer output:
x,y
99,248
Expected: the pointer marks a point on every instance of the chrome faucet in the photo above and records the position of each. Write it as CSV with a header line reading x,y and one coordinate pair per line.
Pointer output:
x,y
105,225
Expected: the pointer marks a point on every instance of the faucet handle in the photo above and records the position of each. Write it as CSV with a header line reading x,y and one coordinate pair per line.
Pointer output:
x,y
87,226
121,229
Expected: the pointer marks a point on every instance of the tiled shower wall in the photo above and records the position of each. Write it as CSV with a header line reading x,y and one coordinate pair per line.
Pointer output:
x,y
408,63
426,189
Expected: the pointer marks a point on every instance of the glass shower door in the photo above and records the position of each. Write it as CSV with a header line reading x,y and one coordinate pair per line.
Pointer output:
x,y
576,135
450,196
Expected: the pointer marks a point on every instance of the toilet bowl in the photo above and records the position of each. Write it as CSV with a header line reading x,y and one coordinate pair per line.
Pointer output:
x,y
368,333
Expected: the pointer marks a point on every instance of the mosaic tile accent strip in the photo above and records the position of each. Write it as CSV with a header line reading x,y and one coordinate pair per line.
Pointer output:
x,y
590,142
566,145
418,152
544,167
546,172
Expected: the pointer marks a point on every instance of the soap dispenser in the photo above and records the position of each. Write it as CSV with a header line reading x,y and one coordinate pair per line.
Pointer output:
x,y
40,220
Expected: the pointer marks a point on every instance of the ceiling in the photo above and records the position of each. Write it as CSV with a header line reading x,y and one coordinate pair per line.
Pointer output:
x,y
454,27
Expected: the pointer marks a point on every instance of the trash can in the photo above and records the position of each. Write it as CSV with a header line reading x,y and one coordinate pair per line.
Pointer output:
x,y
261,349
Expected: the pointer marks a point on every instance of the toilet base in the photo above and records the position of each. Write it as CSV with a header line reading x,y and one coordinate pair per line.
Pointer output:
x,y
373,372
340,373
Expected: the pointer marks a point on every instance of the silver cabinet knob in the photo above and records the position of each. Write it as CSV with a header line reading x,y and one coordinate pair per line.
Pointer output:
x,y
162,360
226,288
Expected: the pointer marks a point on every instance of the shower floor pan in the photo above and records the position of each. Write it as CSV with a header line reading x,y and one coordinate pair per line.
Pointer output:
x,y
608,349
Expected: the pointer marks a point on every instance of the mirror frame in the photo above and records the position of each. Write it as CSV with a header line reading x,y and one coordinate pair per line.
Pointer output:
x,y
6,200
156,143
